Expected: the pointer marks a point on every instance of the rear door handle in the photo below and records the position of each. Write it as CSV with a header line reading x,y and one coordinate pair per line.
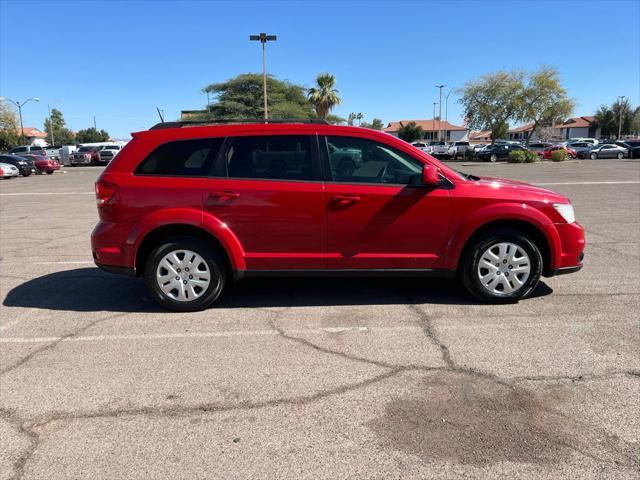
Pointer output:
x,y
215,197
345,199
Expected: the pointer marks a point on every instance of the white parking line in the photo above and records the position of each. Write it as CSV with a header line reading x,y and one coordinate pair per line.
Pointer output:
x,y
622,182
82,262
166,336
24,194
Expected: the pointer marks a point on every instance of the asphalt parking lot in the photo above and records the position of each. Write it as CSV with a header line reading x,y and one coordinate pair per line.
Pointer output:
x,y
318,378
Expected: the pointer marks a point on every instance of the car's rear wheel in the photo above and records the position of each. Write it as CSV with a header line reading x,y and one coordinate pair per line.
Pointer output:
x,y
493,158
185,274
502,266
593,156
620,155
49,172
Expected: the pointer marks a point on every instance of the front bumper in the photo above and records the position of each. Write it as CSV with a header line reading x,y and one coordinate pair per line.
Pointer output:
x,y
569,253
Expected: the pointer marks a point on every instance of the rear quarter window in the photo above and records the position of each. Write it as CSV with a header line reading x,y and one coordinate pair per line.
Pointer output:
x,y
184,158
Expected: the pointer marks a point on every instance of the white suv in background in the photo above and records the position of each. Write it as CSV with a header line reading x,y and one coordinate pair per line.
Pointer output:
x,y
108,153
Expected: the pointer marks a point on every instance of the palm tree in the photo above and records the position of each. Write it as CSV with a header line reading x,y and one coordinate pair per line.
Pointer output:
x,y
324,96
359,117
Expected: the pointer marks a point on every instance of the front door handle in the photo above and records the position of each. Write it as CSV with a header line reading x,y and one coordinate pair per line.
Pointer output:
x,y
216,197
345,199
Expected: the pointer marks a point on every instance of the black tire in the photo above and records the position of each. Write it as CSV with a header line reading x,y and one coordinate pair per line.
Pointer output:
x,y
620,155
26,174
472,257
213,260
593,156
49,172
493,158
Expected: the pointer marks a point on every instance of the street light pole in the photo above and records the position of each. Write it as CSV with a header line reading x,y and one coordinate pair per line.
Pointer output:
x,y
434,118
446,106
20,105
440,111
263,38
620,99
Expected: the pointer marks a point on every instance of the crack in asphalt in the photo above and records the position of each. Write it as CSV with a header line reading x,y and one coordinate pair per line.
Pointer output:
x,y
29,428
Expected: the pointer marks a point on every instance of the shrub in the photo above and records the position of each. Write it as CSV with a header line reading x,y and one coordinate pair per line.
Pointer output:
x,y
530,156
517,156
559,155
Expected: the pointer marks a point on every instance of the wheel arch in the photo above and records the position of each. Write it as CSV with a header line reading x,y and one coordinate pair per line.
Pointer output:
x,y
543,235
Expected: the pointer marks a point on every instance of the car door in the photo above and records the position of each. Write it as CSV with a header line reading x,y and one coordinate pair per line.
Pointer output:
x,y
379,214
270,196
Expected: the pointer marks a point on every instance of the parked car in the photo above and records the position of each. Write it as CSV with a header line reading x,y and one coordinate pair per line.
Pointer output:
x,y
28,149
24,165
539,146
108,153
85,156
191,209
499,151
439,149
592,141
8,171
603,150
548,152
458,149
44,164
632,146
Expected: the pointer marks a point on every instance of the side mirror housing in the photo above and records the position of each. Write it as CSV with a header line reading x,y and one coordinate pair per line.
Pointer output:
x,y
430,176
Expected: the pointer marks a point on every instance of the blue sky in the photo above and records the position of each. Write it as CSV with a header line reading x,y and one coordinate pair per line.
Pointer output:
x,y
118,60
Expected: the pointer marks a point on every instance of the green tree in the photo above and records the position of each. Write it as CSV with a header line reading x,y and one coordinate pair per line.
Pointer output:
x,y
635,123
91,135
9,128
410,132
608,118
544,100
335,119
376,124
324,95
241,98
56,124
490,102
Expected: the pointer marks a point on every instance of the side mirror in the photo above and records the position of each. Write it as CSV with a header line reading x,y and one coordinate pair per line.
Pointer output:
x,y
430,175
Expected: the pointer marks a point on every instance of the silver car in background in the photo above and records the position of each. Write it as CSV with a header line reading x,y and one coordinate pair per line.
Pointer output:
x,y
8,171
603,150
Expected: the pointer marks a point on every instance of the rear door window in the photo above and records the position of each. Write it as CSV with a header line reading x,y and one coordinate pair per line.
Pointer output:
x,y
271,157
183,158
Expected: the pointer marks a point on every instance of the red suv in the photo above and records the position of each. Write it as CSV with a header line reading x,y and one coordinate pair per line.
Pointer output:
x,y
190,208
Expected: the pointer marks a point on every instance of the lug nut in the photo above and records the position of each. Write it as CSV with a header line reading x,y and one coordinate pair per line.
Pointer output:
x,y
506,274
504,261
179,270
190,277
184,281
186,269
510,267
177,277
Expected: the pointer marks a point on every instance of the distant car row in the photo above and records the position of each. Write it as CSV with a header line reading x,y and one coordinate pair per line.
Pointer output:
x,y
500,149
82,155
26,164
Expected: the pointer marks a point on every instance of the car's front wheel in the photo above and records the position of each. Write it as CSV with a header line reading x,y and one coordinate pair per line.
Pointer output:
x,y
620,155
593,156
493,158
502,266
185,274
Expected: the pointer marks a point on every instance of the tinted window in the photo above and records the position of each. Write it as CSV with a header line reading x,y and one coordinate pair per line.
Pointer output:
x,y
280,157
359,160
18,149
187,158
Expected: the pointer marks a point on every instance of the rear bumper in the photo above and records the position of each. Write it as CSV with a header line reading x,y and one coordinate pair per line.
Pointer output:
x,y
107,247
564,271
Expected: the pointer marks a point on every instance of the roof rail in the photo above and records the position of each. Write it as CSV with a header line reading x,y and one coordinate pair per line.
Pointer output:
x,y
192,123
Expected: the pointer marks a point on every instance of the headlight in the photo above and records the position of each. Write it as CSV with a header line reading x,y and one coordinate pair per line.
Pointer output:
x,y
566,211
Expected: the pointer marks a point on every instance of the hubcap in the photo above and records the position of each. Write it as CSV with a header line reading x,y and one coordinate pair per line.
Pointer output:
x,y
183,275
504,268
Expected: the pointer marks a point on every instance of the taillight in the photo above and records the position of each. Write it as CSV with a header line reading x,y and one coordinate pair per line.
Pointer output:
x,y
104,192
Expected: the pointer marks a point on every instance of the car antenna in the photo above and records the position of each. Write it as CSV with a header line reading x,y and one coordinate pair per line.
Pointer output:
x,y
160,114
